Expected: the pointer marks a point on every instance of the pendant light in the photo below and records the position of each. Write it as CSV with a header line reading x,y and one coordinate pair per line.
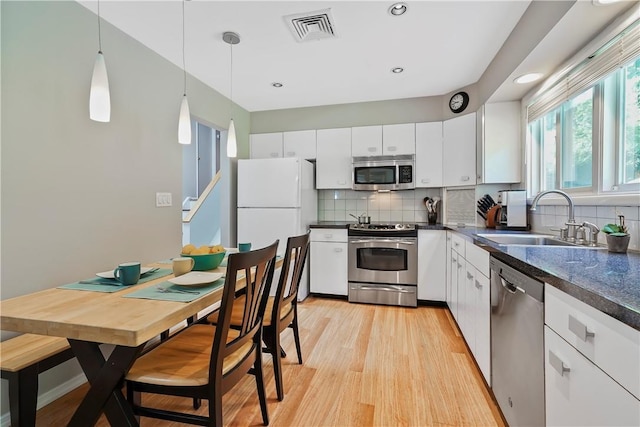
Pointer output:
x,y
232,145
184,121
99,98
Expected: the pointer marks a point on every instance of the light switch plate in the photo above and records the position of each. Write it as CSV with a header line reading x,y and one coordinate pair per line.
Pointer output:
x,y
163,200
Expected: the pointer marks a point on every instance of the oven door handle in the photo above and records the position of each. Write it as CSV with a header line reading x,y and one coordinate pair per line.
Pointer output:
x,y
402,242
385,288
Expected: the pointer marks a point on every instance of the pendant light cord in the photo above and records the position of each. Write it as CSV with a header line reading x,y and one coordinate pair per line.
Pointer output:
x,y
99,31
184,66
231,94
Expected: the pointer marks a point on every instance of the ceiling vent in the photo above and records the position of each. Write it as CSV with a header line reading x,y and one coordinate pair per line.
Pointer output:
x,y
312,25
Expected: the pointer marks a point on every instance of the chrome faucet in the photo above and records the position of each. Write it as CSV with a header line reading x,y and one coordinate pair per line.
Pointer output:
x,y
593,233
571,222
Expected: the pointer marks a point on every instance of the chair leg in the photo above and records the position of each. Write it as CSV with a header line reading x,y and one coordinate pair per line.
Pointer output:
x,y
215,407
296,336
197,403
262,394
277,364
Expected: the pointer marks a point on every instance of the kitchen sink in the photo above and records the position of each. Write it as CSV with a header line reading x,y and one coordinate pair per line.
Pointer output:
x,y
529,240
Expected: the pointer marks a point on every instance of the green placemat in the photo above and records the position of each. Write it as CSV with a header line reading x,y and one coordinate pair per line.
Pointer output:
x,y
99,284
167,291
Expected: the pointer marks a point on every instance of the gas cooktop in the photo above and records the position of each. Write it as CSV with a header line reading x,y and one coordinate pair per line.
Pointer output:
x,y
385,227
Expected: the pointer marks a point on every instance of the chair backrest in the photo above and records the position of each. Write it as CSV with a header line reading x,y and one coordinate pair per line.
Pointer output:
x,y
289,283
257,267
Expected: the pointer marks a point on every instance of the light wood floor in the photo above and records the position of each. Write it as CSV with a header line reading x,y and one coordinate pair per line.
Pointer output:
x,y
364,365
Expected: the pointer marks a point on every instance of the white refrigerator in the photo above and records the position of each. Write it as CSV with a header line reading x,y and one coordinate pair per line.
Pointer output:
x,y
276,199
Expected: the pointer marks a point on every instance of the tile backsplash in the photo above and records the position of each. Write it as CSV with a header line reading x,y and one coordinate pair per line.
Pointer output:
x,y
547,217
394,206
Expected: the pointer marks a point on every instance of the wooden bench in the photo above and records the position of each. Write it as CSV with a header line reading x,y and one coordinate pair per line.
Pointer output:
x,y
22,358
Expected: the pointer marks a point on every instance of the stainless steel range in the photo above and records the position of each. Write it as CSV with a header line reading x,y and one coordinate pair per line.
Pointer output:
x,y
383,264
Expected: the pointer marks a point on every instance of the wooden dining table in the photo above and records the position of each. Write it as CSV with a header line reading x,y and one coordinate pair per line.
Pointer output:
x,y
88,319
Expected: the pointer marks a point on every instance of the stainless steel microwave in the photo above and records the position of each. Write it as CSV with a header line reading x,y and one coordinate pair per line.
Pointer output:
x,y
384,173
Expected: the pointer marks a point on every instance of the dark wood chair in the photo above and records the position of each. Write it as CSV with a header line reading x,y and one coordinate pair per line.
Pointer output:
x,y
282,309
204,362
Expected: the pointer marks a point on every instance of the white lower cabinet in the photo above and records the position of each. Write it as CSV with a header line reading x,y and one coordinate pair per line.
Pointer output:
x,y
478,317
468,297
432,284
578,393
328,261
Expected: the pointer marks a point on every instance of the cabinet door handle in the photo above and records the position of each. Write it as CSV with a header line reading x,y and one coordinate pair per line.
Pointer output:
x,y
372,149
328,236
459,265
557,364
341,182
464,178
580,329
469,275
337,249
291,153
478,284
456,244
274,154
391,148
425,180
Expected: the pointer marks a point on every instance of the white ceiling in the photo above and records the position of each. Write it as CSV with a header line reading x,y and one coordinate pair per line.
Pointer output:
x,y
442,45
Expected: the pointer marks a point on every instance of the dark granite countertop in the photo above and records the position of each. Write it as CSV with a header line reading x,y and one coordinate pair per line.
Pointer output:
x,y
331,224
609,282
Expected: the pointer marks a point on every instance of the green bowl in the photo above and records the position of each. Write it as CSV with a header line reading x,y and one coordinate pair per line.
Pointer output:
x,y
206,261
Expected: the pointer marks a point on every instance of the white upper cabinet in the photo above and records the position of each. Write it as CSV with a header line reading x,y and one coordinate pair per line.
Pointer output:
x,y
398,139
265,145
499,155
301,144
387,140
366,141
459,139
428,154
333,164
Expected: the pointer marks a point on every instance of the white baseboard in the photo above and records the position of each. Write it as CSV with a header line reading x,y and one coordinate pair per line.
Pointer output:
x,y
50,395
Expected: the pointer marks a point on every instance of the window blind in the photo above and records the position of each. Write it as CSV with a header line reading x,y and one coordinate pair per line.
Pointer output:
x,y
615,54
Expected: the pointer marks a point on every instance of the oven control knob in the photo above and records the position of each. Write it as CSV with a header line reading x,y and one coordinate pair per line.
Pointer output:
x,y
399,226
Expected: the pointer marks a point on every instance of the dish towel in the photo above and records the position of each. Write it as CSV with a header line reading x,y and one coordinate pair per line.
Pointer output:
x,y
99,284
167,291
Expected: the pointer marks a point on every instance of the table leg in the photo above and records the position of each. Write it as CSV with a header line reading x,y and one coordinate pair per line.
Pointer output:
x,y
105,378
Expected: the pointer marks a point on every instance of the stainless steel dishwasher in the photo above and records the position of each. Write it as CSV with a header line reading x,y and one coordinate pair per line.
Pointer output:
x,y
517,346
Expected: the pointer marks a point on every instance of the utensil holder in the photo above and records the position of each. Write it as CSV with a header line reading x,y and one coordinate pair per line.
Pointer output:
x,y
432,217
618,244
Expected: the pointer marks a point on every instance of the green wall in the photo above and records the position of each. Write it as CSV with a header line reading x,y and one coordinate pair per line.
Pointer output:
x,y
78,196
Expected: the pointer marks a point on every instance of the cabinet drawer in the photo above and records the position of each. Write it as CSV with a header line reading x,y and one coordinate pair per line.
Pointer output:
x,y
328,235
458,244
610,344
478,257
577,393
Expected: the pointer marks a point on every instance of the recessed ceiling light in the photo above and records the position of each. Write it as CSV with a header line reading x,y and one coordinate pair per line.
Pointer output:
x,y
398,9
528,78
276,84
397,70
604,2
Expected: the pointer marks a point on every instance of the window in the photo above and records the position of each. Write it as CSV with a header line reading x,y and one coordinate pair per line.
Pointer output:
x,y
630,141
577,138
584,132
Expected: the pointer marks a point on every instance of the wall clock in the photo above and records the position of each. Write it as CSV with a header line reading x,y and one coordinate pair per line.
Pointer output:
x,y
459,102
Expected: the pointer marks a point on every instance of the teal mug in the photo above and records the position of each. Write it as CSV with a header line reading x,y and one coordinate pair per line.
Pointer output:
x,y
244,247
127,273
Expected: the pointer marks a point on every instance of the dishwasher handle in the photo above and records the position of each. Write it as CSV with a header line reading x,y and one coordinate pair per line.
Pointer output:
x,y
510,287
